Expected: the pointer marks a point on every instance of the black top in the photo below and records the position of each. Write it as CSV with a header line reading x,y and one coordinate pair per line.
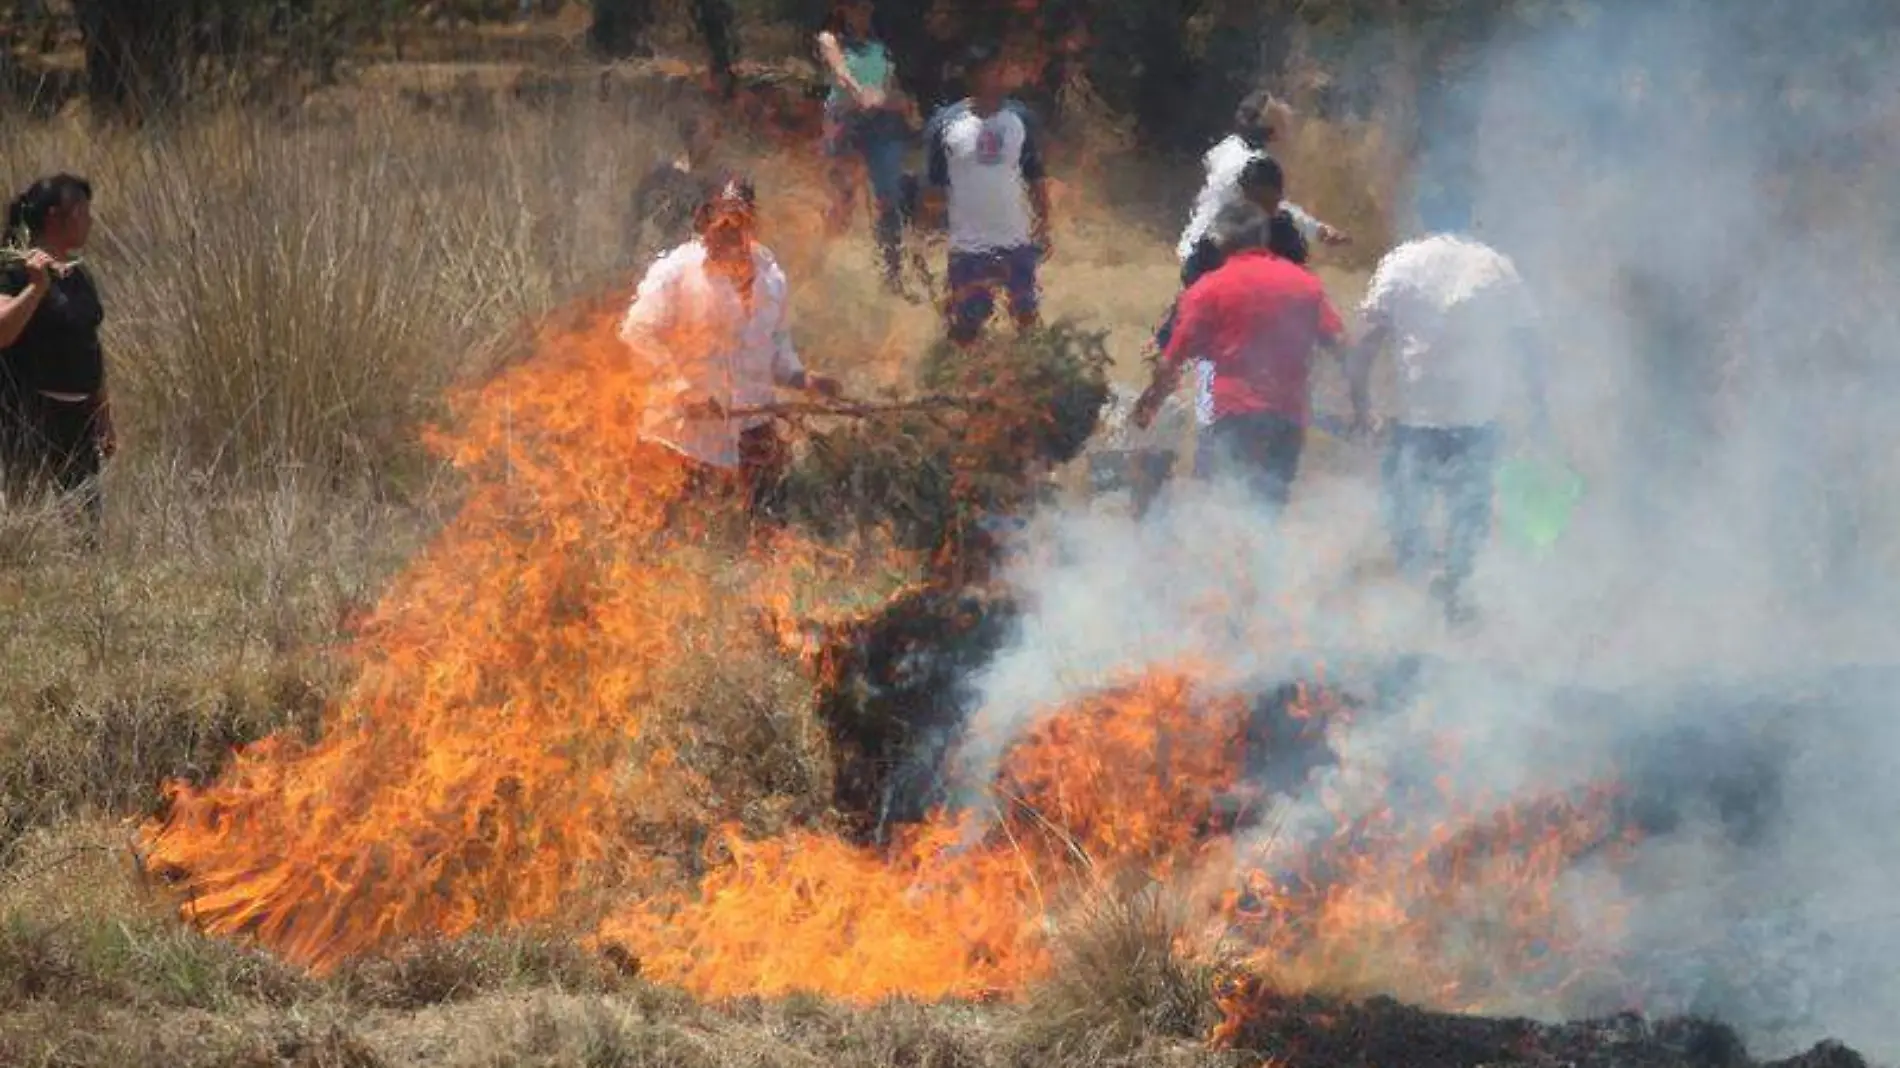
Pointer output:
x,y
59,351
1283,240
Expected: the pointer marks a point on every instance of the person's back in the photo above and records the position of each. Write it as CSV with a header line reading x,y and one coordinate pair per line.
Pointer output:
x,y
1454,307
1256,320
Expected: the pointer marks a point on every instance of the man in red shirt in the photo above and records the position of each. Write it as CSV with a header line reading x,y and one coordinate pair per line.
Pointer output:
x,y
1257,320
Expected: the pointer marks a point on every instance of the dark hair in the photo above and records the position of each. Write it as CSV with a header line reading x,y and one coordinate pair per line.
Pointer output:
x,y
1284,238
30,209
1253,118
834,16
728,187
1262,172
980,55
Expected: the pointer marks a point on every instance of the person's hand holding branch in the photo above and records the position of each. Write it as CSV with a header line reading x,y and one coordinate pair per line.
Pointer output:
x,y
704,407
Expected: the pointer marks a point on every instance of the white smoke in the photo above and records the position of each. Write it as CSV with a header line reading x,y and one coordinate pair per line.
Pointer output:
x,y
1712,280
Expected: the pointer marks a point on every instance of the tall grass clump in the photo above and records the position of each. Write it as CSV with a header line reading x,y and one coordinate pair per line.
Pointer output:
x,y
301,295
1123,979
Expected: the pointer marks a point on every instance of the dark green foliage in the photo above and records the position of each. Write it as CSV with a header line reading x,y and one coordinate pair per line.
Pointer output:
x,y
930,475
144,58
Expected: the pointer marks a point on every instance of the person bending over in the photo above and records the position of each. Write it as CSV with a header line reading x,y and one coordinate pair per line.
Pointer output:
x,y
713,317
1460,323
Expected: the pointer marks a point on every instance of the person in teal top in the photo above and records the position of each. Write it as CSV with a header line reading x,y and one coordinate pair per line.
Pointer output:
x,y
868,116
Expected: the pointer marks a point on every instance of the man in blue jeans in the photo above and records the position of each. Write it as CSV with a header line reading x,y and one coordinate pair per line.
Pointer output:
x,y
986,155
1462,329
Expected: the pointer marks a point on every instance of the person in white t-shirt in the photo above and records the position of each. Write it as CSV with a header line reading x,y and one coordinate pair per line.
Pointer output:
x,y
1463,331
986,157
713,318
1260,120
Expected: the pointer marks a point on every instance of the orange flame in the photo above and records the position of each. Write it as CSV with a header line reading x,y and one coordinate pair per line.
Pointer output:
x,y
480,765
954,908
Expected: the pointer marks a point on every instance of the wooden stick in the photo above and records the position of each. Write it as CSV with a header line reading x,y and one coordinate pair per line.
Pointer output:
x,y
853,409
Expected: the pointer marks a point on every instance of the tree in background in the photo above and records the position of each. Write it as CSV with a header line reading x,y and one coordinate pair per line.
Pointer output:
x,y
135,63
620,27
144,56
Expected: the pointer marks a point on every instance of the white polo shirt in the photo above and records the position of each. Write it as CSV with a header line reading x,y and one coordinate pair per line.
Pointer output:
x,y
986,162
704,340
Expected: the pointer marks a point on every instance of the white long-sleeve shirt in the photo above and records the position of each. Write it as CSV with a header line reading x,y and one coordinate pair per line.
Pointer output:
x,y
704,341
1224,162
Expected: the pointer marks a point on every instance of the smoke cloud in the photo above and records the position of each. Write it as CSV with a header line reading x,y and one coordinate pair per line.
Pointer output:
x,y
1685,189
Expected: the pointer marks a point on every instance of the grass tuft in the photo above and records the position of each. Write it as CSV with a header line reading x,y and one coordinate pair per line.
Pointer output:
x,y
1122,981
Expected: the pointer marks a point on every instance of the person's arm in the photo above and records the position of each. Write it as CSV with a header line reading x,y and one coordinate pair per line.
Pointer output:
x,y
1530,339
1037,178
1377,325
1312,229
105,433
1190,328
1536,378
23,288
833,54
1207,256
648,331
1358,364
788,371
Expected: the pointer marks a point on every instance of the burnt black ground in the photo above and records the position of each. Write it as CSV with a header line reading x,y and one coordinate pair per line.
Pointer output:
x,y
1314,1032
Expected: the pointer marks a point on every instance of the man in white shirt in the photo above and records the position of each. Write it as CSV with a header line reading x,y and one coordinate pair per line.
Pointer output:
x,y
986,155
1463,331
1258,122
712,317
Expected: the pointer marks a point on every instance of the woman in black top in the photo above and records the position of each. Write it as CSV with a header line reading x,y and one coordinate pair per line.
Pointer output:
x,y
55,425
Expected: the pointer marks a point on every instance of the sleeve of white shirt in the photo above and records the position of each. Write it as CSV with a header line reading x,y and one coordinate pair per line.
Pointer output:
x,y
786,366
1381,291
645,328
1309,226
1206,205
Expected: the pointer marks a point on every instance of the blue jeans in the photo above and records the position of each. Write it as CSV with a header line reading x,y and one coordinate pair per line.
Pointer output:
x,y
974,278
1261,450
880,137
1458,464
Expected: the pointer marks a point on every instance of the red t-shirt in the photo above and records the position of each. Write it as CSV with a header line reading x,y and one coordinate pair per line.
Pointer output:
x,y
1256,319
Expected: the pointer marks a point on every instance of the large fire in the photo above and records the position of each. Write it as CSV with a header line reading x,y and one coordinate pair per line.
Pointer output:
x,y
531,738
